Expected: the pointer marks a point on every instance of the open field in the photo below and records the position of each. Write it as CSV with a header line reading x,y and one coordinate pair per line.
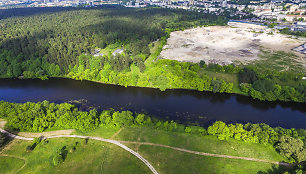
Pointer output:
x,y
208,144
101,157
10,164
225,44
172,162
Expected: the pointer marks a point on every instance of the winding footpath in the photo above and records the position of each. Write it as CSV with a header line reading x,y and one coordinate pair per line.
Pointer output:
x,y
119,143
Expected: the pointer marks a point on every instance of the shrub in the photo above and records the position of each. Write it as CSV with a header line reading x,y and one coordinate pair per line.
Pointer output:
x,y
188,129
57,159
245,87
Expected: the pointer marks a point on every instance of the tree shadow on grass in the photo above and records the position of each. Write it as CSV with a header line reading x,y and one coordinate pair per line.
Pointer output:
x,y
5,140
64,153
274,170
292,169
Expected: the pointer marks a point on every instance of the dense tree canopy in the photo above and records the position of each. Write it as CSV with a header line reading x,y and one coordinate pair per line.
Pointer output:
x,y
39,42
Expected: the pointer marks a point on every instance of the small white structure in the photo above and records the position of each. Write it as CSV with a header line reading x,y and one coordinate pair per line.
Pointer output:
x,y
98,54
118,51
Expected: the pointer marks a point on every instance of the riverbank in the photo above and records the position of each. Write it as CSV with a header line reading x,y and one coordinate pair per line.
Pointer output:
x,y
247,142
184,106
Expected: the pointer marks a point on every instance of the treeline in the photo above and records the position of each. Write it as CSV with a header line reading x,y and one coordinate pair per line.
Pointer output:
x,y
44,115
291,143
266,86
163,74
295,33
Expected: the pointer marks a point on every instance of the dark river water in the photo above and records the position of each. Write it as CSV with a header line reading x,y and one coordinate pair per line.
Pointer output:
x,y
180,105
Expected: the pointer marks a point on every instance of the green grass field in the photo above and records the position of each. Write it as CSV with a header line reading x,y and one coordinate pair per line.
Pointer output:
x,y
93,157
99,132
209,144
100,157
10,164
172,162
279,61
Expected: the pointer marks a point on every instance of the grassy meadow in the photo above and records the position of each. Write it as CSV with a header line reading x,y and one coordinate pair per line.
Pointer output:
x,y
101,157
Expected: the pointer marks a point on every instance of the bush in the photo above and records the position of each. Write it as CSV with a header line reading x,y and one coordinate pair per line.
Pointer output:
x,y
188,129
245,87
57,159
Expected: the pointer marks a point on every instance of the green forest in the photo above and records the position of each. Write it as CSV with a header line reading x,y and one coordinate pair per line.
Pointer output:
x,y
59,42
41,116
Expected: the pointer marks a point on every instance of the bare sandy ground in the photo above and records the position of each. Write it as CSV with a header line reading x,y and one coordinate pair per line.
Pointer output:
x,y
239,43
46,134
2,123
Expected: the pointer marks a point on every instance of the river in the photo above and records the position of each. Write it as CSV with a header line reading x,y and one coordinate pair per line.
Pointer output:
x,y
180,105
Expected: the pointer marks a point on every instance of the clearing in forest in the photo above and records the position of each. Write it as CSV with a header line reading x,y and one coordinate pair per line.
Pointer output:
x,y
238,43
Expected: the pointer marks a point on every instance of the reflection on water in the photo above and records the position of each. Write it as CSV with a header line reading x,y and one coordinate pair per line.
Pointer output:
x,y
181,105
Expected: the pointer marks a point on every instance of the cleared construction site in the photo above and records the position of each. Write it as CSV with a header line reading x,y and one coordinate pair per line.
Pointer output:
x,y
236,43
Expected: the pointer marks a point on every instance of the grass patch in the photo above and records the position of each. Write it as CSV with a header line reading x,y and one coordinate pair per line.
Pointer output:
x,y
279,61
170,161
99,132
207,143
154,52
110,49
228,77
10,164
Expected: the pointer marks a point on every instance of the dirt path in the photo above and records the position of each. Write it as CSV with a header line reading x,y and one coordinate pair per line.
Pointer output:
x,y
2,123
116,133
206,154
45,134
